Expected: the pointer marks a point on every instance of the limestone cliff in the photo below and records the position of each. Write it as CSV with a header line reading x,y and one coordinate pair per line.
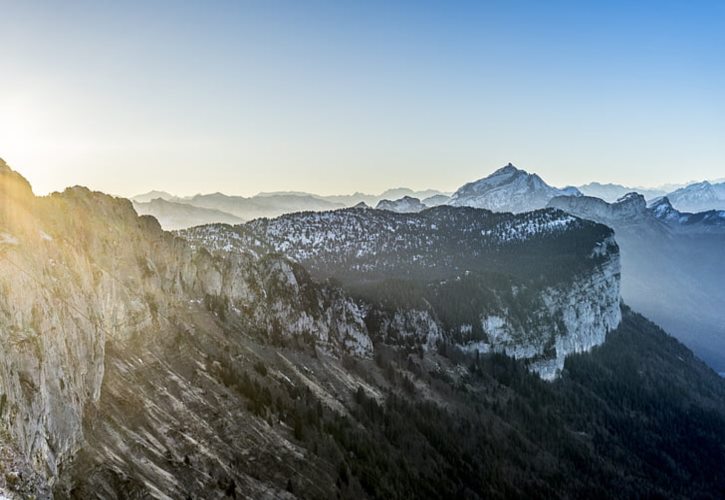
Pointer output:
x,y
536,286
80,270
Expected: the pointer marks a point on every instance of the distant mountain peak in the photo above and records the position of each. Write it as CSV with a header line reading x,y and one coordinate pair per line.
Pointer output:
x,y
661,202
508,189
406,204
634,198
663,210
509,168
699,197
154,194
612,192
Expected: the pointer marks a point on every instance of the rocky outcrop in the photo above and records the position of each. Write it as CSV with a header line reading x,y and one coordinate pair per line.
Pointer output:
x,y
588,309
80,270
567,319
406,204
630,207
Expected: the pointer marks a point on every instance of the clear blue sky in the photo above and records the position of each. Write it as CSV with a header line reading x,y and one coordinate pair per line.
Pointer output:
x,y
342,96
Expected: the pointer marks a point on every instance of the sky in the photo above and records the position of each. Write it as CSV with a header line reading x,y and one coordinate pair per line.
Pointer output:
x,y
342,96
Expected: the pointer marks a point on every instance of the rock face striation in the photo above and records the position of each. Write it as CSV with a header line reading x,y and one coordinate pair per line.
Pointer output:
x,y
80,271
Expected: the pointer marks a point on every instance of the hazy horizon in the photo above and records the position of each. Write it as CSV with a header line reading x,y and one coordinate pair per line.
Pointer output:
x,y
329,98
382,191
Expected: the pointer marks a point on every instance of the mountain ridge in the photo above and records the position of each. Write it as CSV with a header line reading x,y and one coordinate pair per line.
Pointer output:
x,y
173,215
446,249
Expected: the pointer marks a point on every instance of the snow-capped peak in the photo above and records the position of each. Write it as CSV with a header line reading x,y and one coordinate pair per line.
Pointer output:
x,y
698,197
663,209
508,189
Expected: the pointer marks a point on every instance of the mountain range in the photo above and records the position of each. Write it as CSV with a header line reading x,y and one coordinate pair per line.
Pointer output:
x,y
231,209
612,192
646,287
455,352
174,215
508,189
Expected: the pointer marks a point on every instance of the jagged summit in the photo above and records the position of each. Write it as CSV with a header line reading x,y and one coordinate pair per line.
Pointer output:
x,y
500,176
631,203
507,169
708,220
630,207
406,204
508,189
662,206
629,197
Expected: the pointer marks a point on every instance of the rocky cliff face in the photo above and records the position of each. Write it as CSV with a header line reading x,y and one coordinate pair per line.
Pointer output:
x,y
569,319
589,309
672,265
436,276
80,270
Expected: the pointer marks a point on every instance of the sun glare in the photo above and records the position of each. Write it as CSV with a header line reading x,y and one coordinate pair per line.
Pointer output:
x,y
18,126
20,132
30,140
